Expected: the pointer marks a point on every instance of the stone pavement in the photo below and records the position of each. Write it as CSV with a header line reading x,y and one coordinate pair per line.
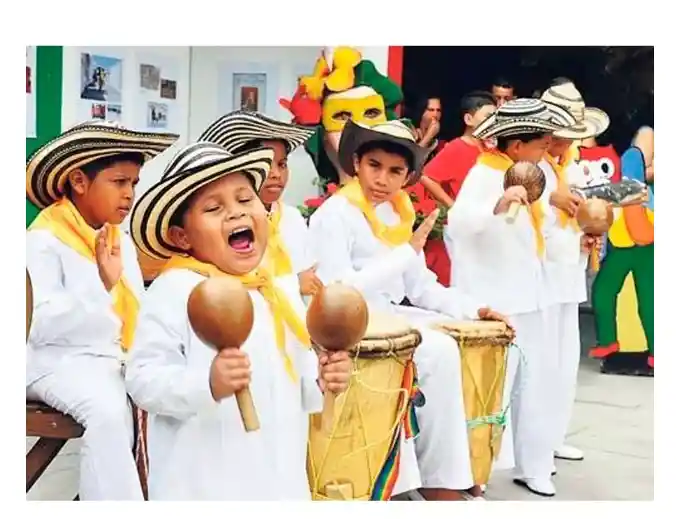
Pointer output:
x,y
612,423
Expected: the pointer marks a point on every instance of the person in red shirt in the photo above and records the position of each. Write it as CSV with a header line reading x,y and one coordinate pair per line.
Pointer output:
x,y
448,169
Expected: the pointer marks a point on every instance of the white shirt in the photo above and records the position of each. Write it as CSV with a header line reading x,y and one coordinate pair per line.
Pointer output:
x,y
294,232
346,250
565,264
198,448
73,312
494,259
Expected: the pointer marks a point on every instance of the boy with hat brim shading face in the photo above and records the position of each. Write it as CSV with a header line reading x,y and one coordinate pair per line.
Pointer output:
x,y
363,237
205,218
87,287
567,250
502,263
287,252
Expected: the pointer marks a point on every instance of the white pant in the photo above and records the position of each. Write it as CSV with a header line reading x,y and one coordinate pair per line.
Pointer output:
x,y
442,447
92,391
534,395
563,331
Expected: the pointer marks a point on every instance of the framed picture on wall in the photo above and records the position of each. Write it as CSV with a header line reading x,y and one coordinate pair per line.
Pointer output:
x,y
249,91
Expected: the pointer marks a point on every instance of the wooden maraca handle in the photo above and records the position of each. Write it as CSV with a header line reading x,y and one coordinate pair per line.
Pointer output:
x,y
328,411
511,215
594,260
245,404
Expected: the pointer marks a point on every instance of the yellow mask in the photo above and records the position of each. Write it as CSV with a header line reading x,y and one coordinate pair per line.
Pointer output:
x,y
361,104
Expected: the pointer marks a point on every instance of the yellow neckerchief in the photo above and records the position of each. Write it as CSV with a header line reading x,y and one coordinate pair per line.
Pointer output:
x,y
278,257
500,161
65,222
282,310
390,235
560,168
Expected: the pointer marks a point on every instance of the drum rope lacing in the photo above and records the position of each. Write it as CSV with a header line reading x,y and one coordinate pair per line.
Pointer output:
x,y
355,378
499,418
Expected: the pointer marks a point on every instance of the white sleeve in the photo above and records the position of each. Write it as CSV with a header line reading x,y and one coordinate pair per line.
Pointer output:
x,y
299,247
473,210
62,317
158,376
332,244
424,291
311,395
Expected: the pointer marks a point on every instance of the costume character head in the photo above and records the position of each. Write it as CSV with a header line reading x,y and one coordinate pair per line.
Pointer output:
x,y
349,88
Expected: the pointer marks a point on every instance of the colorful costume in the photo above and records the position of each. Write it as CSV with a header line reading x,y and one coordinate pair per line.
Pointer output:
x,y
349,88
622,295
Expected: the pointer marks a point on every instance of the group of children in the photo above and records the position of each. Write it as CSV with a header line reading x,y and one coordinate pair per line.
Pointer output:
x,y
99,338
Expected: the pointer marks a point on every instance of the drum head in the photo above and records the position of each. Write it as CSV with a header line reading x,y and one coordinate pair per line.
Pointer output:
x,y
383,326
476,329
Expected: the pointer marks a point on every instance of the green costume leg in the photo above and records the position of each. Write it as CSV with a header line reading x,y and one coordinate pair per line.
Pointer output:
x,y
607,285
642,270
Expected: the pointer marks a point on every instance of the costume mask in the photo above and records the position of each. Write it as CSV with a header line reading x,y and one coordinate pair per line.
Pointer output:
x,y
361,104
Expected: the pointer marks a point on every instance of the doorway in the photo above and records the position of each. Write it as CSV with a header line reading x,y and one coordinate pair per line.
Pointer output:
x,y
618,80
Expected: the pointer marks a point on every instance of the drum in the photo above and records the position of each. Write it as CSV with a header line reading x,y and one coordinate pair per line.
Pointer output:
x,y
359,458
484,357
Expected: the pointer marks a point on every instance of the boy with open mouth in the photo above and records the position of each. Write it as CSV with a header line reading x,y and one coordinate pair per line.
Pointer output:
x,y
206,219
288,252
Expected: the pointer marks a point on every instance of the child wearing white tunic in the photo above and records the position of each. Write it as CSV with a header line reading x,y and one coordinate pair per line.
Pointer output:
x,y
362,236
288,251
213,224
87,288
503,264
567,250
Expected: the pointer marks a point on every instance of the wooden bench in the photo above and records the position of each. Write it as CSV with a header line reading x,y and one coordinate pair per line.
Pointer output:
x,y
53,429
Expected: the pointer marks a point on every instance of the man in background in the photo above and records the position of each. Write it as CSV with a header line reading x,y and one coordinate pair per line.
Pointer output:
x,y
502,90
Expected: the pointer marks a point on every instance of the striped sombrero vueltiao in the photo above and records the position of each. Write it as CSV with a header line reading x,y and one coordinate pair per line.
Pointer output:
x,y
588,121
237,129
523,115
48,168
193,167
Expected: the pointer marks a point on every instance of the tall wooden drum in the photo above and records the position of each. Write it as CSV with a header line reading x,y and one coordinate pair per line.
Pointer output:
x,y
484,357
359,458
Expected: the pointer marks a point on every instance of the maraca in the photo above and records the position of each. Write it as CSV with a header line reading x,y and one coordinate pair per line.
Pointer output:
x,y
594,217
221,312
528,175
337,319
29,304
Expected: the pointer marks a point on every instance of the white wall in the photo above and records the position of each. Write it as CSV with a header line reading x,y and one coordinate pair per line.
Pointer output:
x,y
204,91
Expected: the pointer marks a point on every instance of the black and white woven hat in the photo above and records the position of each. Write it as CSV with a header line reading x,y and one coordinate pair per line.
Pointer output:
x,y
523,115
236,130
193,167
48,168
588,121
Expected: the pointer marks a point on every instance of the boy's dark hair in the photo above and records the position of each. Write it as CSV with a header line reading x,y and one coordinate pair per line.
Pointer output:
x,y
475,100
258,143
92,169
502,142
388,147
502,82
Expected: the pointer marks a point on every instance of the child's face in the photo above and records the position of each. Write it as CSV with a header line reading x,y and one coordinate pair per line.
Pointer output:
x,y
109,197
531,151
381,174
276,181
225,225
558,146
472,120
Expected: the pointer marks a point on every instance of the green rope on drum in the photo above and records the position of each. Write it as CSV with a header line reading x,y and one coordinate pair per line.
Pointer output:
x,y
500,419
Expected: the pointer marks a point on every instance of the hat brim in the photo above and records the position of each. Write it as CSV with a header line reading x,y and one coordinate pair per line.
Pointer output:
x,y
238,129
493,127
355,136
48,168
594,123
150,219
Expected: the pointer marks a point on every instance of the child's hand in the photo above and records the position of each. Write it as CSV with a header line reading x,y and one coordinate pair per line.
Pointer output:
x,y
420,236
487,314
229,373
335,371
309,282
108,258
590,243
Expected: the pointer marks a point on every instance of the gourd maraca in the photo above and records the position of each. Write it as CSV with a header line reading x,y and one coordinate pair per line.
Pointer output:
x,y
337,319
528,175
29,304
221,313
594,217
